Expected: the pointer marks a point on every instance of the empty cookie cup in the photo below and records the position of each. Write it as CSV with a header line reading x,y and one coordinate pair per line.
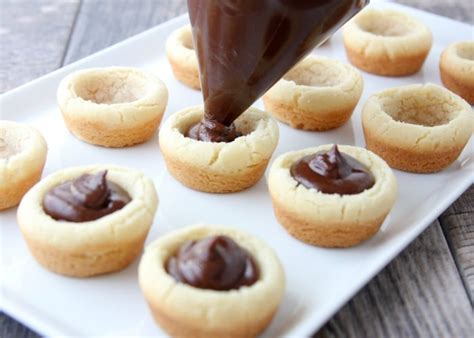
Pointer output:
x,y
417,128
86,221
22,157
182,57
317,94
213,306
331,219
112,107
457,69
387,42
218,167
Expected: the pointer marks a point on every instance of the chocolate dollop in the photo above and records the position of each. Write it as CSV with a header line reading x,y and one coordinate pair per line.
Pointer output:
x,y
216,263
213,131
332,172
84,199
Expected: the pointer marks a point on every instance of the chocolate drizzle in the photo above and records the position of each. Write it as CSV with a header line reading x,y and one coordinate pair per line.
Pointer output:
x,y
216,263
84,199
332,172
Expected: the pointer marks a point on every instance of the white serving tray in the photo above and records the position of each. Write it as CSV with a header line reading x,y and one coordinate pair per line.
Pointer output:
x,y
319,281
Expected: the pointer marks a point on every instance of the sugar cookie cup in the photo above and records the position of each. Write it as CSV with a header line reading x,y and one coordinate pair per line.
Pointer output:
x,y
22,157
112,107
457,69
182,57
387,42
89,248
218,167
186,311
331,220
417,128
317,94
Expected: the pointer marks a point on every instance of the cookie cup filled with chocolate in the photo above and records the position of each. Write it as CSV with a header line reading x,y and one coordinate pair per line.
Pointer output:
x,y
218,167
211,290
331,197
456,68
317,94
85,221
417,128
387,42
112,106
182,57
22,157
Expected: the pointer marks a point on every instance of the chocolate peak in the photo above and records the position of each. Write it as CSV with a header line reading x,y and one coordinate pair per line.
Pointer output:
x,y
332,172
84,199
331,164
213,131
91,190
216,263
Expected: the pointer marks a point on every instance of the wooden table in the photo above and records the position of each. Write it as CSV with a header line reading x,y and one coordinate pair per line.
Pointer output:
x,y
427,291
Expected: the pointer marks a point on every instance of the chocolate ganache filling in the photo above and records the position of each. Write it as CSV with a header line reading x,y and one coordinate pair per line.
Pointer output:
x,y
332,172
216,263
213,131
84,199
245,46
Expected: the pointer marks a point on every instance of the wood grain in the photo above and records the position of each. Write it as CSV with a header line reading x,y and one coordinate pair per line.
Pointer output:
x,y
461,10
420,293
102,24
458,227
9,328
33,38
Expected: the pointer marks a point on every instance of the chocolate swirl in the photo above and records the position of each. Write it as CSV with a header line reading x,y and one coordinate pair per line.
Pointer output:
x,y
212,131
84,199
332,172
216,263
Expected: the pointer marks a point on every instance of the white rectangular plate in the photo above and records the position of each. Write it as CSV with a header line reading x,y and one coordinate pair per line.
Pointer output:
x,y
319,281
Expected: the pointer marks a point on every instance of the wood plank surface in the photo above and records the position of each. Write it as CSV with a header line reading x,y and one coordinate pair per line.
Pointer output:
x,y
461,10
33,38
102,24
458,227
423,292
419,294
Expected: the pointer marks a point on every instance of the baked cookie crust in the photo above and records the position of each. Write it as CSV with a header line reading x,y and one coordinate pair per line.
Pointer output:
x,y
417,128
186,311
457,69
218,167
22,157
317,94
387,42
90,248
331,220
182,57
112,107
